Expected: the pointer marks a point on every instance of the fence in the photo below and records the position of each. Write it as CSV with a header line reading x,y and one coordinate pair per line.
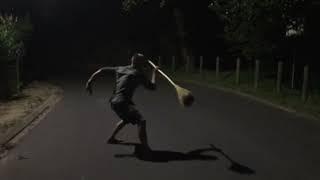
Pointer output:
x,y
278,77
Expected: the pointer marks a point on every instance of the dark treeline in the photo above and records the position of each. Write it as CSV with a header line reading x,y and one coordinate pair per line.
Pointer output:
x,y
76,33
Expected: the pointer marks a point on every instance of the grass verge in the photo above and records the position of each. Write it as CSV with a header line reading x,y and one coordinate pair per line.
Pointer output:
x,y
13,111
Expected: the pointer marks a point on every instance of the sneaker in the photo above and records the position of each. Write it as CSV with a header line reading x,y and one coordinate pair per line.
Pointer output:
x,y
114,141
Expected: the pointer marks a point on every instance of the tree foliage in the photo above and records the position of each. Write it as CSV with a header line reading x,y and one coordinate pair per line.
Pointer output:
x,y
13,33
259,28
253,28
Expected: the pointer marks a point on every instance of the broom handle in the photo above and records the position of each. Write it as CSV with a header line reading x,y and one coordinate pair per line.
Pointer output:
x,y
162,73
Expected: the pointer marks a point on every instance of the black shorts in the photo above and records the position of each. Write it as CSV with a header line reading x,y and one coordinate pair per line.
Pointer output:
x,y
127,112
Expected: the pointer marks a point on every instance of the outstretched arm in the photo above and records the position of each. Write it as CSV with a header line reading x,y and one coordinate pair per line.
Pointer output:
x,y
93,77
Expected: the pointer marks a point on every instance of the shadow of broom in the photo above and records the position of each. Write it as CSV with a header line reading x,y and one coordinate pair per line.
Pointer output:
x,y
235,167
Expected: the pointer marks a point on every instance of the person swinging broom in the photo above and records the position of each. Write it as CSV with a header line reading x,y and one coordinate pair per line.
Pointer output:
x,y
128,78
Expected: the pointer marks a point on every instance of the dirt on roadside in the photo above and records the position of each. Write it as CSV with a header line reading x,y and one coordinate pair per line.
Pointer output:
x,y
13,111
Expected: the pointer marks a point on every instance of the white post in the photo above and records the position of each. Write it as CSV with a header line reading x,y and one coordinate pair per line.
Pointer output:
x,y
305,83
217,67
201,65
187,64
293,74
173,65
256,74
293,69
159,61
238,72
279,76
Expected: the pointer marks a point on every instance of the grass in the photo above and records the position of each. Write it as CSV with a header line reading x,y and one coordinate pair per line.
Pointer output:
x,y
289,98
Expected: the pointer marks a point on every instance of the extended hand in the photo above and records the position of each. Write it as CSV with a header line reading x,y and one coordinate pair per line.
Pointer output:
x,y
89,88
154,72
156,68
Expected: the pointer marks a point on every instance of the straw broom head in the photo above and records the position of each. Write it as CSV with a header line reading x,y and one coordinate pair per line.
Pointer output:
x,y
185,97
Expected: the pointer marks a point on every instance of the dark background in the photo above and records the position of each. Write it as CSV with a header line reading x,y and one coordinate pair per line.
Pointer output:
x,y
70,35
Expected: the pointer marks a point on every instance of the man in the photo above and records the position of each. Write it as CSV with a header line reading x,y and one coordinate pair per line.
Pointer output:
x,y
128,78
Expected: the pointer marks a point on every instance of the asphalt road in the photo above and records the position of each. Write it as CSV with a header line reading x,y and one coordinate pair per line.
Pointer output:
x,y
69,143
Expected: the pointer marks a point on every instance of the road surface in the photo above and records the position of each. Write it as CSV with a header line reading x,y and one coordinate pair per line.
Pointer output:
x,y
69,143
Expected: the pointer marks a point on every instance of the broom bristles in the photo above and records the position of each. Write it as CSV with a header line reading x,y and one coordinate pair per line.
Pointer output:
x,y
185,97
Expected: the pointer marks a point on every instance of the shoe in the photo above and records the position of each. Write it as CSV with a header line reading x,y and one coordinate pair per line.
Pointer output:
x,y
114,141
142,150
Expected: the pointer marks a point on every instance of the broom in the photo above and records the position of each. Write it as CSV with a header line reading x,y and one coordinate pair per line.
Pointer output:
x,y
185,97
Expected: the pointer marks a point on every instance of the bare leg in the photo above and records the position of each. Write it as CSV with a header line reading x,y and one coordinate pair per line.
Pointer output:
x,y
120,125
143,134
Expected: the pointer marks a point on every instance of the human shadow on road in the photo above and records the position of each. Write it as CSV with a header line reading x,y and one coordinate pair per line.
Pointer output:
x,y
166,156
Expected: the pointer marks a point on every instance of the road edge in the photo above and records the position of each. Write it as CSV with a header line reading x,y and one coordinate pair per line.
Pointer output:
x,y
44,108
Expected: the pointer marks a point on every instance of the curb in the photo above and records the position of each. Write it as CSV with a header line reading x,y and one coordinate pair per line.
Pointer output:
x,y
30,118
255,98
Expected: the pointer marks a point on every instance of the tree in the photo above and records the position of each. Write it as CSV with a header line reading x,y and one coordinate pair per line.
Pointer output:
x,y
13,35
258,28
252,28
178,14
